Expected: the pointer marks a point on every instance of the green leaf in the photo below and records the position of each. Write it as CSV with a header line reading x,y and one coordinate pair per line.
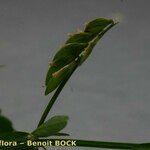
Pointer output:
x,y
58,76
145,146
81,37
69,52
64,56
51,127
5,125
97,25
55,80
14,136
78,46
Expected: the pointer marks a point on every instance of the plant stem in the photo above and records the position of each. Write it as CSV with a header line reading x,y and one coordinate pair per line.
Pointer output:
x,y
59,89
97,144
56,94
100,144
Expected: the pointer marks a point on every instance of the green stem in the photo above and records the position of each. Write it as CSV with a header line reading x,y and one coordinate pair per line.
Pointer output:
x,y
97,144
59,89
100,144
55,96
